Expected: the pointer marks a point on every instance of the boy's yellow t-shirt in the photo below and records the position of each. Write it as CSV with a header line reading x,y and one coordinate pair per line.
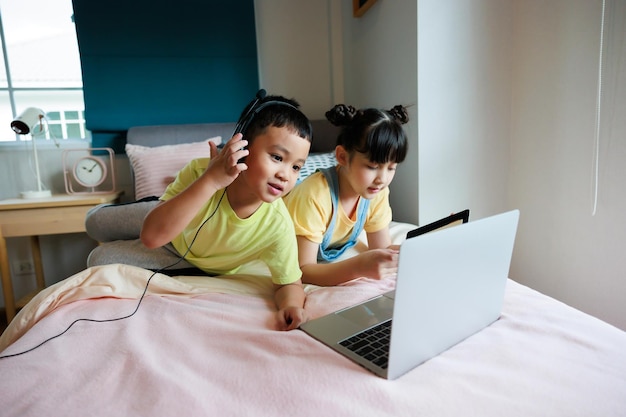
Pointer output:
x,y
311,208
226,242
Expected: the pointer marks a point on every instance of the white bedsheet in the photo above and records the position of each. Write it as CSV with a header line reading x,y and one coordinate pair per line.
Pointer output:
x,y
200,346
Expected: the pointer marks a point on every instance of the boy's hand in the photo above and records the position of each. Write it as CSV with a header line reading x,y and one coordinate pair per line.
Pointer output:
x,y
289,299
224,166
290,318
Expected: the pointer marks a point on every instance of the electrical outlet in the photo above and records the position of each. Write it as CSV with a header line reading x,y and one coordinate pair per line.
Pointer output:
x,y
23,267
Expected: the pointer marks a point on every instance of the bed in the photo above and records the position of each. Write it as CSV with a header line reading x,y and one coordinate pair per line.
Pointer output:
x,y
209,346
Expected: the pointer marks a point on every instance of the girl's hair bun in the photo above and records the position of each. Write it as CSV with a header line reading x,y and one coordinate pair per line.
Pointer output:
x,y
399,113
341,114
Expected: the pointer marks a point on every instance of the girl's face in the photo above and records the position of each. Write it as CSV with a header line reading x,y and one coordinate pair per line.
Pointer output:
x,y
366,178
274,162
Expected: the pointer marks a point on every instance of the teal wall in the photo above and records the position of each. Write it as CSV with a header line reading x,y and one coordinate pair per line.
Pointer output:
x,y
150,62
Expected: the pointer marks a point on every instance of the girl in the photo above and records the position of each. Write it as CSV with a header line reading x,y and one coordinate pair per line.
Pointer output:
x,y
331,207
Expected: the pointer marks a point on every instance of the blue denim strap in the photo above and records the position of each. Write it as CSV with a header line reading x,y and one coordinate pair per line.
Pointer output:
x,y
329,254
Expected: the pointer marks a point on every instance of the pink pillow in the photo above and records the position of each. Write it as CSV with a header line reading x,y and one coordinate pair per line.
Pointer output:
x,y
154,168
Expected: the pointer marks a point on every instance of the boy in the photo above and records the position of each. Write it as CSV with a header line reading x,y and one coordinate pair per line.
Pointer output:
x,y
224,211
235,196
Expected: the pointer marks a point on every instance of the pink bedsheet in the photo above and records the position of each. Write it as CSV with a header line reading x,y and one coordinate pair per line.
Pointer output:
x,y
197,350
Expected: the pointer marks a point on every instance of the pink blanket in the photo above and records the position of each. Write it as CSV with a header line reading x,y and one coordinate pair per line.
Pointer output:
x,y
197,348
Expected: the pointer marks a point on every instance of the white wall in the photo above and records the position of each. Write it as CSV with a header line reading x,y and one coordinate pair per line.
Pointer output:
x,y
299,48
562,249
464,106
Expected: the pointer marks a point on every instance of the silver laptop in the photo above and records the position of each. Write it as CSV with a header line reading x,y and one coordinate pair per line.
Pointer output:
x,y
450,285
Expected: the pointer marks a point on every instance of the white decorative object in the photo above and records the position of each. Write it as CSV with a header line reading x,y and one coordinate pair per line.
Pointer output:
x,y
23,125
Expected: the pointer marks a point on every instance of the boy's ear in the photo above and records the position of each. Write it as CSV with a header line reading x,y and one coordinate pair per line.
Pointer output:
x,y
341,155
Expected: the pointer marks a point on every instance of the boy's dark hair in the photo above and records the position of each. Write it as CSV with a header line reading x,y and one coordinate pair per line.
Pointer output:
x,y
277,111
376,133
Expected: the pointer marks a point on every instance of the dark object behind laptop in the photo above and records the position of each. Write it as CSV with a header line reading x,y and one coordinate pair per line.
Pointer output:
x,y
462,217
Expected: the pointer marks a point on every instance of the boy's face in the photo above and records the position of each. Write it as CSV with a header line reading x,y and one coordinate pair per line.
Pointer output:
x,y
274,162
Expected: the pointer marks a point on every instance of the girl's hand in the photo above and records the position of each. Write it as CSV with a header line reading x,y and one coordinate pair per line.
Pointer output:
x,y
224,166
379,263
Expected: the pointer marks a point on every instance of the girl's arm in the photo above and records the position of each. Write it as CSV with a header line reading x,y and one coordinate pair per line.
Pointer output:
x,y
380,239
374,263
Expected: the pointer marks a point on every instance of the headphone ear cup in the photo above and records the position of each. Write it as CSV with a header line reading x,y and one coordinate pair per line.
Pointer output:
x,y
244,121
247,114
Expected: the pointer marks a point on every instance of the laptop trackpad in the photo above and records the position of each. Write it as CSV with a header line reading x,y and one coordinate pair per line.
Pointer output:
x,y
370,313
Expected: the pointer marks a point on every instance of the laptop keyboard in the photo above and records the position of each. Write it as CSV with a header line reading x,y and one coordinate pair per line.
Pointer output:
x,y
371,344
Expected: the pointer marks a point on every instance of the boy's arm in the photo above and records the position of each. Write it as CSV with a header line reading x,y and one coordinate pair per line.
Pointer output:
x,y
289,299
374,263
164,222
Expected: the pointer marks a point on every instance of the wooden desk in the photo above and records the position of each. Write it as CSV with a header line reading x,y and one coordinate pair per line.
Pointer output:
x,y
54,215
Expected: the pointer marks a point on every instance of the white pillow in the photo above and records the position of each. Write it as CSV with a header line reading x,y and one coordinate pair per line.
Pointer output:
x,y
317,161
154,168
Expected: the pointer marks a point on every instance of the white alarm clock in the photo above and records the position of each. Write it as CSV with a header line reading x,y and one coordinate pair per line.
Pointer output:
x,y
88,171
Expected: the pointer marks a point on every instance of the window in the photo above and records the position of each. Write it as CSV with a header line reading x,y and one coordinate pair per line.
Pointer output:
x,y
40,67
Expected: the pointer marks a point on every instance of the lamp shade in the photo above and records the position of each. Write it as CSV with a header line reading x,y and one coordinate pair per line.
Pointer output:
x,y
24,123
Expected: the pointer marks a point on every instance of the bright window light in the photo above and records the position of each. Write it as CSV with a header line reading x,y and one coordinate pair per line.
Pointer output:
x,y
40,67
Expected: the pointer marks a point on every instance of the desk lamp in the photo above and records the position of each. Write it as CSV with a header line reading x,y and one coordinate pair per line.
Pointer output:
x,y
24,124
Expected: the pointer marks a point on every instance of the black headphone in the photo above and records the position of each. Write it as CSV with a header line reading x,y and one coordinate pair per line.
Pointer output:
x,y
253,108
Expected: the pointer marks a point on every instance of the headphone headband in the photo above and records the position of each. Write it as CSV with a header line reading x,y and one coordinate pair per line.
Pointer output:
x,y
254,108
